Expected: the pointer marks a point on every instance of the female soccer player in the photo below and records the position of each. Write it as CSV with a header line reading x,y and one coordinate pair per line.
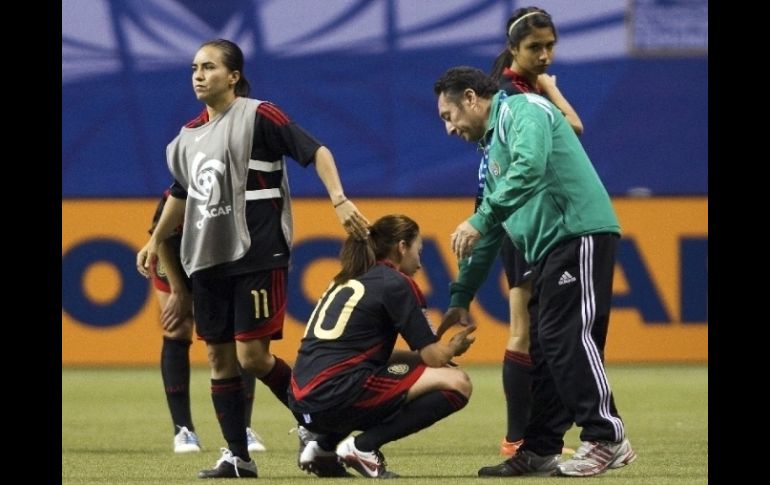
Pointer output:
x,y
346,377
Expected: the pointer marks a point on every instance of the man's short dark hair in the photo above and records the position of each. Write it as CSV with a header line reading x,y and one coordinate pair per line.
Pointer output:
x,y
457,79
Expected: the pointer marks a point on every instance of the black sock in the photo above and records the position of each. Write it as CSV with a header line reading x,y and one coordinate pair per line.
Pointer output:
x,y
249,385
517,385
329,442
227,396
175,371
278,380
418,414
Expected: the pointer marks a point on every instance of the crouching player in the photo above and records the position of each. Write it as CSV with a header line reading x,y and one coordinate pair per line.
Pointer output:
x,y
345,378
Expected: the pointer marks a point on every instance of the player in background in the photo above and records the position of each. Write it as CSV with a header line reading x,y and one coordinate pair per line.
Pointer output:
x,y
521,68
172,288
231,192
345,378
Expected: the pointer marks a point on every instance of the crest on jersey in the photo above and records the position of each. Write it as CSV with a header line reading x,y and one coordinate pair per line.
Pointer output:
x,y
160,269
494,167
398,369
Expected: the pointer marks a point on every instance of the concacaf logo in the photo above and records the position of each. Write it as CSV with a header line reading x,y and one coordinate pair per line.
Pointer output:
x,y
398,369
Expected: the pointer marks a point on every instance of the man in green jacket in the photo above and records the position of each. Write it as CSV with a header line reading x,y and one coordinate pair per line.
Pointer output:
x,y
540,189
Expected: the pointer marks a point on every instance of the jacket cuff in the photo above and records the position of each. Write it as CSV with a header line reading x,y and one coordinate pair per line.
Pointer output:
x,y
459,296
479,223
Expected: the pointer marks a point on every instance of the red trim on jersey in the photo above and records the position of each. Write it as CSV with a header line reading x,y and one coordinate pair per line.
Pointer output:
x,y
301,392
201,119
273,113
415,289
521,83
263,184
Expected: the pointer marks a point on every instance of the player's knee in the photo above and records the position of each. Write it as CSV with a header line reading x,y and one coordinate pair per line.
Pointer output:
x,y
182,332
256,363
461,383
221,361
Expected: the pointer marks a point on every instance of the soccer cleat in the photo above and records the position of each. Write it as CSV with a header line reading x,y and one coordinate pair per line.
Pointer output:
x,y
370,464
230,466
594,457
186,441
320,462
314,459
509,448
254,441
523,463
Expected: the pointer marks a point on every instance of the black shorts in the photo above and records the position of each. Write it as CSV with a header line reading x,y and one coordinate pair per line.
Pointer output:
x,y
240,307
517,270
384,392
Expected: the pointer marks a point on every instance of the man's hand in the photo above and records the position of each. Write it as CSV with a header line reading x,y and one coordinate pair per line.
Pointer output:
x,y
452,317
463,239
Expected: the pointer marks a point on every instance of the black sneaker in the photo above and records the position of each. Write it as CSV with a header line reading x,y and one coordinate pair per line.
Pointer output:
x,y
523,463
230,466
314,459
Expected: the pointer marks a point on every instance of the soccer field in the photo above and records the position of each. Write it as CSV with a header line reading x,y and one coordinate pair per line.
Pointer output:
x,y
116,429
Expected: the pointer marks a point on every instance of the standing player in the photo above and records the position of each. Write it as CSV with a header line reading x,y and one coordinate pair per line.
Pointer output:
x,y
521,68
344,378
172,287
231,192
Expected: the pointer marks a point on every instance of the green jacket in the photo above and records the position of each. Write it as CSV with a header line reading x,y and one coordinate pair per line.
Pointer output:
x,y
541,188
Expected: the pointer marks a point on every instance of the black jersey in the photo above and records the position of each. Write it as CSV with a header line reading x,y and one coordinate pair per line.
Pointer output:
x,y
514,83
352,332
275,135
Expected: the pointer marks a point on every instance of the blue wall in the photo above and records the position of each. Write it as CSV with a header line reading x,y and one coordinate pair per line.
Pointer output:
x,y
359,73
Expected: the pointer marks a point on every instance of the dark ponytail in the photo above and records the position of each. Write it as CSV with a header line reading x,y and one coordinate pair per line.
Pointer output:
x,y
357,257
503,60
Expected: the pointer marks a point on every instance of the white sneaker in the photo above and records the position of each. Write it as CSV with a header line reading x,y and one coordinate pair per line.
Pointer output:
x,y
370,464
594,457
186,441
254,441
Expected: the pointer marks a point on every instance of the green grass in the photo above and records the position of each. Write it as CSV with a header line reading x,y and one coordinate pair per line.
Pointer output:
x,y
116,430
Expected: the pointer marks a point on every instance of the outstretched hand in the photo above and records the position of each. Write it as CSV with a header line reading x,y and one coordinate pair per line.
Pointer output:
x,y
452,317
462,340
